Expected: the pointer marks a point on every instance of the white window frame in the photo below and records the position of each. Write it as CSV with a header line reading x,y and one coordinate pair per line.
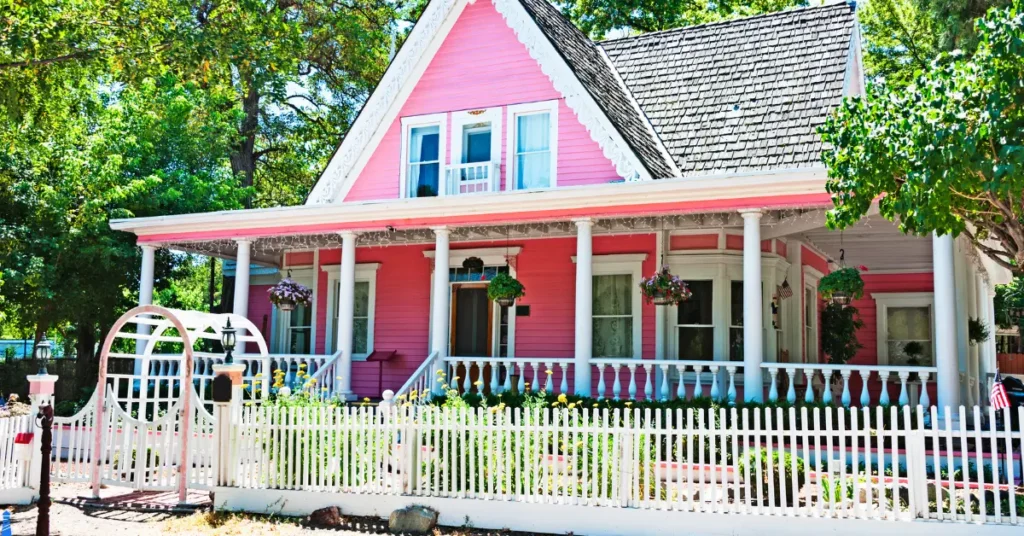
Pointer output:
x,y
531,108
630,264
885,300
811,278
283,319
408,123
365,273
461,119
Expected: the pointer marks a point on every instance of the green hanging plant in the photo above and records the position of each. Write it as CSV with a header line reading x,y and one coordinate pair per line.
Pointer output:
x,y
505,289
842,286
977,331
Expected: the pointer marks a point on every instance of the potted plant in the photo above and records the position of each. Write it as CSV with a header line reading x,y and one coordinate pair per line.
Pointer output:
x,y
663,288
914,350
287,294
977,331
505,289
842,286
839,326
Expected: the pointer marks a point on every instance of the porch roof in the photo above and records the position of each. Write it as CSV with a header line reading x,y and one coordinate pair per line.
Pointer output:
x,y
725,193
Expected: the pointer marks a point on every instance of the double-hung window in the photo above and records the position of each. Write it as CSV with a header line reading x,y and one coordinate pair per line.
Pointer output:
x,y
299,330
615,305
695,323
363,310
533,145
423,149
476,145
904,317
736,321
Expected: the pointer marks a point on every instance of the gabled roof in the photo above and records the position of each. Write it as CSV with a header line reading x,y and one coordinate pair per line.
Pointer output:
x,y
741,95
589,63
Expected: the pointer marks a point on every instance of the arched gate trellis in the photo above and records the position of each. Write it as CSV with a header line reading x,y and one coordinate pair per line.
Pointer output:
x,y
146,426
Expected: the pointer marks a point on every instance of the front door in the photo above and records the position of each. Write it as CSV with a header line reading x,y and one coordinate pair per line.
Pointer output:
x,y
471,326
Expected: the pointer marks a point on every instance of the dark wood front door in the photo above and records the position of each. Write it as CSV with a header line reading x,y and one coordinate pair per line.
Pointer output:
x,y
471,326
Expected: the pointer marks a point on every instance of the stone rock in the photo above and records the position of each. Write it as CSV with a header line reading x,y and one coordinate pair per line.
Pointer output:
x,y
413,520
329,517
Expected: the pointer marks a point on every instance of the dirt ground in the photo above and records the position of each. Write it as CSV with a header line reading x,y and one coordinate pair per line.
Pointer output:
x,y
150,515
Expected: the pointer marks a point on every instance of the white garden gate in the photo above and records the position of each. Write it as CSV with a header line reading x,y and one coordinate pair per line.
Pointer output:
x,y
149,431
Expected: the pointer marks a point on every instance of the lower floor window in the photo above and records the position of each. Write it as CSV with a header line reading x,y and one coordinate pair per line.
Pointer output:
x,y
360,318
695,323
613,315
909,336
300,329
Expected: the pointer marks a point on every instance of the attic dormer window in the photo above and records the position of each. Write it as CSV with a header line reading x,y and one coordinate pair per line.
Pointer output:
x,y
533,142
423,149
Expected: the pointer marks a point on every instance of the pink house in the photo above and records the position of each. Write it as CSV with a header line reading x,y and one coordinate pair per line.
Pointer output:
x,y
579,168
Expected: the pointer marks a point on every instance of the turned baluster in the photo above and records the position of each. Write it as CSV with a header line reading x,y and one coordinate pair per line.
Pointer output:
x,y
509,371
632,381
616,384
845,400
648,387
826,395
549,384
809,386
883,398
664,382
600,381
865,397
715,391
564,387
773,392
791,390
535,382
732,384
904,399
925,400
681,388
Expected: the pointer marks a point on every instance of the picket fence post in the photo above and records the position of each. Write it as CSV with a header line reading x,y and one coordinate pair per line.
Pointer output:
x,y
917,468
227,398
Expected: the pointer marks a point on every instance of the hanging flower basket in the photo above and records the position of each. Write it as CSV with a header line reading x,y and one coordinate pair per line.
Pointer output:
x,y
842,286
663,288
287,294
505,289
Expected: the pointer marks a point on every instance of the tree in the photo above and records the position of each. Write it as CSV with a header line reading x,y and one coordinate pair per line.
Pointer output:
x,y
946,154
599,17
902,36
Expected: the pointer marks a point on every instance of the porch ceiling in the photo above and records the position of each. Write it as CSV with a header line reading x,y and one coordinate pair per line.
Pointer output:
x,y
876,243
269,249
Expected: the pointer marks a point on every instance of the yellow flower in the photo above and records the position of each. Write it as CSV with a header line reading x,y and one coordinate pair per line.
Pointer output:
x,y
478,383
337,378
249,403
455,379
494,409
302,365
440,372
407,405
312,380
413,396
629,404
258,375
245,386
366,399
400,397
595,404
323,388
562,398
572,405
549,372
555,403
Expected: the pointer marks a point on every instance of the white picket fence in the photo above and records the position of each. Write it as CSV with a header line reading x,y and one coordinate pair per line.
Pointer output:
x,y
881,463
13,465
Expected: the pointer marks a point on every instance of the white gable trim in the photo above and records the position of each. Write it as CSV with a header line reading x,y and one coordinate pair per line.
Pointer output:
x,y
427,36
579,100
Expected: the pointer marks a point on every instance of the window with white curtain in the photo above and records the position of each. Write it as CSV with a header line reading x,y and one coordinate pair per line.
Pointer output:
x,y
811,323
695,323
360,318
904,317
532,145
613,315
423,154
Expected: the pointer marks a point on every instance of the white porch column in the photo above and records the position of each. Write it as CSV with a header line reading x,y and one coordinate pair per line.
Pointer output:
x,y
981,295
145,292
948,380
660,314
974,350
993,357
346,313
584,305
753,314
442,297
242,262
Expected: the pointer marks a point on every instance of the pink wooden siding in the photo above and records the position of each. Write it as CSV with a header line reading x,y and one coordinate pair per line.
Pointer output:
x,y
260,313
482,65
781,249
684,242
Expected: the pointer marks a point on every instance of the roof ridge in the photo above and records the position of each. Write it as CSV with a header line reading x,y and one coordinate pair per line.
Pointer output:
x,y
831,5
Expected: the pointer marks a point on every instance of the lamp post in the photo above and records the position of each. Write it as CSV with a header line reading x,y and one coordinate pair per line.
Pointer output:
x,y
228,339
43,354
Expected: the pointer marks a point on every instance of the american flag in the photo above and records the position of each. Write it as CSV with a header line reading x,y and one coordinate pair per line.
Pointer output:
x,y
998,398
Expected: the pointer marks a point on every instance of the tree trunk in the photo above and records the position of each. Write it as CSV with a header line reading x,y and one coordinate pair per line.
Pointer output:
x,y
243,159
86,366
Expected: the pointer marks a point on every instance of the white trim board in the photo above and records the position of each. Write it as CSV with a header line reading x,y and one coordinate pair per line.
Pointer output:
x,y
365,273
401,77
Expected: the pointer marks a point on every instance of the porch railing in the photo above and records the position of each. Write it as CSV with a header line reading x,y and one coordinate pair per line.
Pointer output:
x,y
618,379
817,378
473,178
417,388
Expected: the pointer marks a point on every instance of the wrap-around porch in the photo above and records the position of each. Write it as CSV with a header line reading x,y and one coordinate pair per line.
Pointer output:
x,y
377,323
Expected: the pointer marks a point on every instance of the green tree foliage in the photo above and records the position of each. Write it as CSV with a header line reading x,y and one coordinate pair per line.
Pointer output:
x,y
599,17
946,154
903,36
